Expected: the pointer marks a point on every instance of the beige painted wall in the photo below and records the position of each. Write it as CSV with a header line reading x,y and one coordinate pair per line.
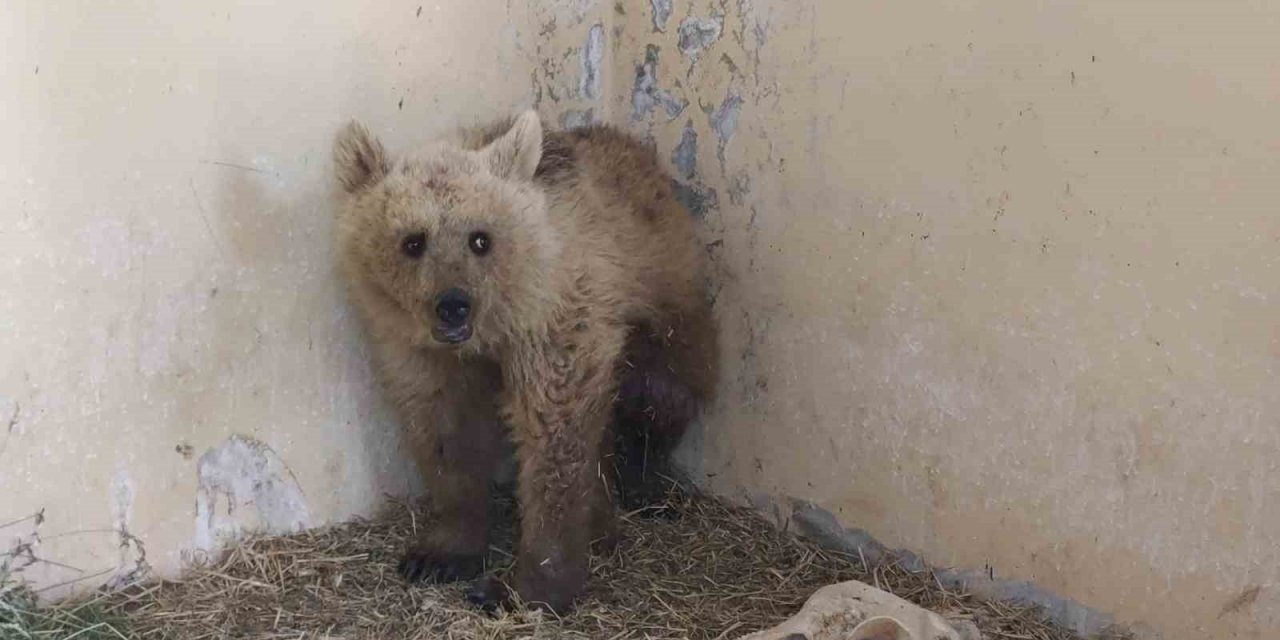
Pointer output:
x,y
172,337
999,281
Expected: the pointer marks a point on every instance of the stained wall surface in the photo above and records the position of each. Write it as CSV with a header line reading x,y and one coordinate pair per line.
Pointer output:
x,y
999,280
177,361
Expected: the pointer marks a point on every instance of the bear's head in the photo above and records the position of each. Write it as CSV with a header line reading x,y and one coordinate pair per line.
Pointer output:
x,y
450,248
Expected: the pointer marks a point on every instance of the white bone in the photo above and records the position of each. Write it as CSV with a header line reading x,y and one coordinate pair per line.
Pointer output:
x,y
857,611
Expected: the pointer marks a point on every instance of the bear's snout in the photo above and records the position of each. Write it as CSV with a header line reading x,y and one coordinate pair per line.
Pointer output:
x,y
453,310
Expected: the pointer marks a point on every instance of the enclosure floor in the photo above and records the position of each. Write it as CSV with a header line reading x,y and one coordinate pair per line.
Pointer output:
x,y
705,570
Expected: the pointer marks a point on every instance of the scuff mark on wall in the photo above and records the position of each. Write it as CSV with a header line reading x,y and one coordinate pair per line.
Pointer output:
x,y
661,14
685,156
592,59
646,95
239,474
1241,602
697,34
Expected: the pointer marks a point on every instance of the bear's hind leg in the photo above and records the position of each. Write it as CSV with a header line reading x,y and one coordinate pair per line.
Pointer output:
x,y
668,376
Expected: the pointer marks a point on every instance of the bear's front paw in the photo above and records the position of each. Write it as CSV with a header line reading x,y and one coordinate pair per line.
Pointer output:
x,y
421,564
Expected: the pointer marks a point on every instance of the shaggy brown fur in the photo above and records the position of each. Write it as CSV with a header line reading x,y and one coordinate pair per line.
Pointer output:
x,y
540,292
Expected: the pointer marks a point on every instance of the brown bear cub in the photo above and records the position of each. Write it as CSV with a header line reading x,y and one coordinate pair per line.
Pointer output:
x,y
537,291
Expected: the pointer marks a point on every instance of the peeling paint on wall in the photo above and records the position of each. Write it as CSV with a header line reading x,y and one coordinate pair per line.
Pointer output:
x,y
241,478
685,156
592,58
661,13
724,121
697,34
899,223
646,95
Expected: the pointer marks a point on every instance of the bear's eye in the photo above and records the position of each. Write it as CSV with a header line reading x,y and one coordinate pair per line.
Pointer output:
x,y
414,244
479,243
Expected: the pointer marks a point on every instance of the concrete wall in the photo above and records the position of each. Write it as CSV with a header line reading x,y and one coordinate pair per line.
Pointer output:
x,y
177,362
999,280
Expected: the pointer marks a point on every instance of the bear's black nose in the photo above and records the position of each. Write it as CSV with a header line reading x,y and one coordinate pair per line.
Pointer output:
x,y
453,307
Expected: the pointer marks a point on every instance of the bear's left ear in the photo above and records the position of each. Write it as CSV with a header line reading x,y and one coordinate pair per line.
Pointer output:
x,y
516,154
358,157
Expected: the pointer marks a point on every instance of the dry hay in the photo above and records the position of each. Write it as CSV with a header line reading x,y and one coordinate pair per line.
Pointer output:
x,y
708,571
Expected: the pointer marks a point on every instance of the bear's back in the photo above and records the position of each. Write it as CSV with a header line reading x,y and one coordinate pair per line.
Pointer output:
x,y
610,193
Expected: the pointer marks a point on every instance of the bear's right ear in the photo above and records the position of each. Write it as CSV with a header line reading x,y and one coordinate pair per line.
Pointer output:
x,y
516,154
359,158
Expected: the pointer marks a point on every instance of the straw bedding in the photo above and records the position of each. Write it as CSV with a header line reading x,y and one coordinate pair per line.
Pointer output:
x,y
701,570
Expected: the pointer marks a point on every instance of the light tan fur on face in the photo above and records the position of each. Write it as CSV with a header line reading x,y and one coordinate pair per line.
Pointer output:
x,y
592,263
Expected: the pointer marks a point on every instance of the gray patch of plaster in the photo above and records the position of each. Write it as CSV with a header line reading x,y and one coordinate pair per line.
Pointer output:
x,y
696,199
239,474
646,95
577,118
592,59
696,34
724,121
685,156
822,527
661,14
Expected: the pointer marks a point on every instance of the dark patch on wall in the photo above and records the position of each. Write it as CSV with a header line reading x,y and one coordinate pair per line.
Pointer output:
x,y
685,156
698,200
1241,602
